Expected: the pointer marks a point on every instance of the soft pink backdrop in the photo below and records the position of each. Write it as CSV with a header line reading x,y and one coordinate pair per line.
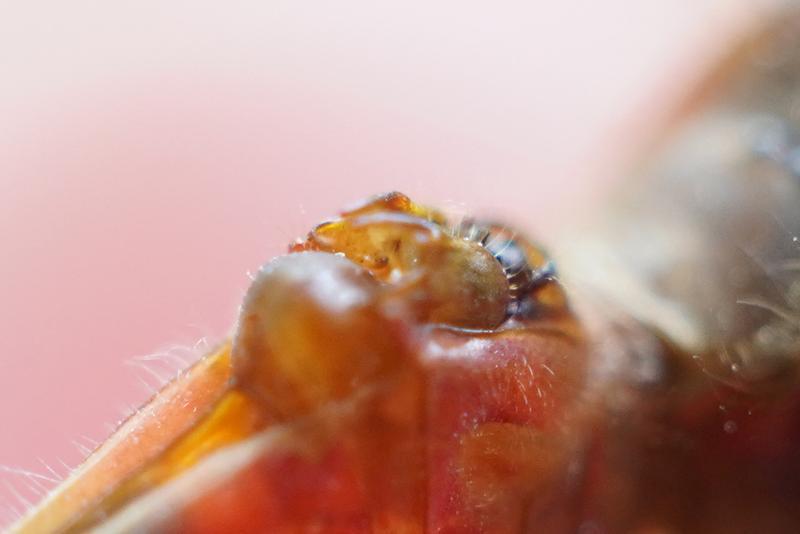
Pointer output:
x,y
152,153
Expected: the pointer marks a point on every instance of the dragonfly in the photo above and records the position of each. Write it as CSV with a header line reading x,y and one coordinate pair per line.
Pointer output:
x,y
399,370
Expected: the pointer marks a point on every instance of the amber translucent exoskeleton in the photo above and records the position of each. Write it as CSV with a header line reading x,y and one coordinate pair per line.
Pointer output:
x,y
394,372
401,372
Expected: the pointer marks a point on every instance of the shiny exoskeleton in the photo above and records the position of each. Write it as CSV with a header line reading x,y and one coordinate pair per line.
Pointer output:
x,y
401,372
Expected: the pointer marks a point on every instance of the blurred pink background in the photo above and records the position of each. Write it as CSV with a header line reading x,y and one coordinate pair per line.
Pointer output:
x,y
152,153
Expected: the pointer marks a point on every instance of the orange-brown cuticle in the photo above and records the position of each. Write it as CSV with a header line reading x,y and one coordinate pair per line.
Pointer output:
x,y
311,331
